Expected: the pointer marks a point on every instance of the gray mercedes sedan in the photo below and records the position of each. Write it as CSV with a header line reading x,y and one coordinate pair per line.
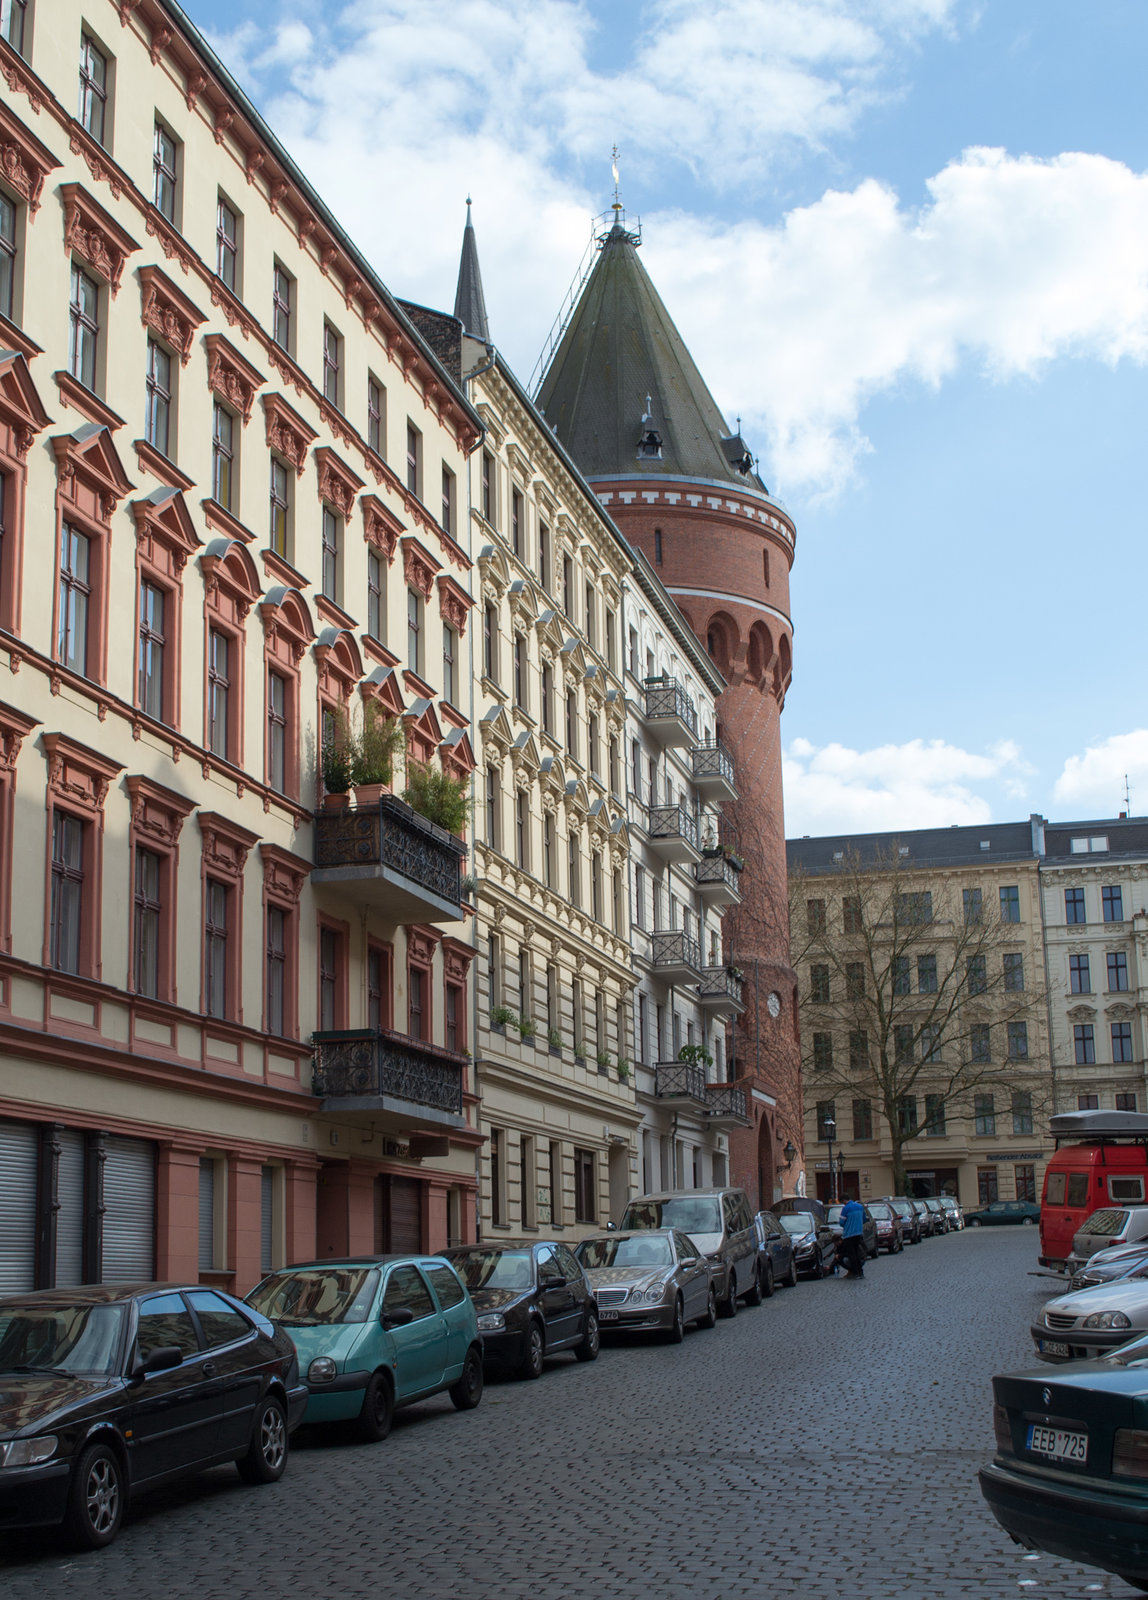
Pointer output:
x,y
653,1279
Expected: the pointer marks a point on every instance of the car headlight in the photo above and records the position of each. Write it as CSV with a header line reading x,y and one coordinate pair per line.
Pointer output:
x,y
28,1452
491,1322
321,1370
656,1293
1107,1319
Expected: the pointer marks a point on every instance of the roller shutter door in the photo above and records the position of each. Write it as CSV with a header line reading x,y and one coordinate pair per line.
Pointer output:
x,y
404,1197
129,1211
19,1164
266,1218
206,1214
70,1209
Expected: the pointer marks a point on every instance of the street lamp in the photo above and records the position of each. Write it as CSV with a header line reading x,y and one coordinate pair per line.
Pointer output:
x,y
830,1127
790,1153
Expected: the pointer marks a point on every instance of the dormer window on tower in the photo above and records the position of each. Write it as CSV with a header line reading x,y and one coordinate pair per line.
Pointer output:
x,y
649,440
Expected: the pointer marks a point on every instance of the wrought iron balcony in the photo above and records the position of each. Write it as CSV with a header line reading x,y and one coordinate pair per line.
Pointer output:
x,y
726,1103
717,881
391,858
713,772
377,1070
673,833
680,1080
675,956
720,992
671,715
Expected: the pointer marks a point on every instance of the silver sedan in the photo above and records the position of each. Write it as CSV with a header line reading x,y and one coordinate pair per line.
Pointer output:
x,y
653,1279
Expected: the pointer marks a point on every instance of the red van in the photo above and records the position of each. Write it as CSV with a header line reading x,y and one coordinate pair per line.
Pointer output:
x,y
1106,1163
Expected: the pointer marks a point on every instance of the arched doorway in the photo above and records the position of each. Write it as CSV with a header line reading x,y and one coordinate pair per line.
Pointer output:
x,y
764,1165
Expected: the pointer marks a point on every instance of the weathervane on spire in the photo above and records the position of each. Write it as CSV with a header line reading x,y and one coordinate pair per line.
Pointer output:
x,y
617,195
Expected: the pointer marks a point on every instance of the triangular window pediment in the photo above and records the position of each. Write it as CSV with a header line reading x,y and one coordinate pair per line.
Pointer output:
x,y
20,404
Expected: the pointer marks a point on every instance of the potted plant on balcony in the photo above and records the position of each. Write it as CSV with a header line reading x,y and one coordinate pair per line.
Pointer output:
x,y
438,797
377,745
500,1017
623,1069
735,861
554,1039
337,763
526,1029
695,1055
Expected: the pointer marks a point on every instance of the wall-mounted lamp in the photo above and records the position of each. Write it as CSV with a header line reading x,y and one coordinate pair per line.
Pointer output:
x,y
790,1153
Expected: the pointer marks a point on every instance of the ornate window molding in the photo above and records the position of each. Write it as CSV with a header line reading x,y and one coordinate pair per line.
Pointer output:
x,y
77,776
94,235
419,566
15,726
231,376
454,603
22,417
24,162
338,485
287,434
168,312
381,528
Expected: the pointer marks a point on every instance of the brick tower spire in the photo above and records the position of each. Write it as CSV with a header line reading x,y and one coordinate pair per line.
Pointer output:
x,y
625,398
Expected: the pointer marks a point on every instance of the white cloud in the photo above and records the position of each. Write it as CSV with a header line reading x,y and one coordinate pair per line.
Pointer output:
x,y
1092,784
919,784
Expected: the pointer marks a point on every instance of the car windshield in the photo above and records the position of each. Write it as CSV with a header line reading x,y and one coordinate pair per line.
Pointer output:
x,y
1133,1354
880,1212
834,1213
902,1208
800,1222
494,1269
949,1204
317,1295
691,1213
1106,1221
621,1252
60,1338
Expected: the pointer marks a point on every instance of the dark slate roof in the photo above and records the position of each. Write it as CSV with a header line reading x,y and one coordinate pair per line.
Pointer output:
x,y
1127,836
469,301
932,847
619,347
442,333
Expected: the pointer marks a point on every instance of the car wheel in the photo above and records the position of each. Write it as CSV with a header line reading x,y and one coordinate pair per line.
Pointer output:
x,y
374,1420
95,1498
790,1279
467,1392
709,1320
535,1353
676,1332
728,1306
591,1341
266,1460
753,1294
820,1270
875,1252
974,1222
1027,1222
767,1283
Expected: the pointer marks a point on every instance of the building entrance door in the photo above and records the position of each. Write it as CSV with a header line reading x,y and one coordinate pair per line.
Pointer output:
x,y
926,1185
402,1214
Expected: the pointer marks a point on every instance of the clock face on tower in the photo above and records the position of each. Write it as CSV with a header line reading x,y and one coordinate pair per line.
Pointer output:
x,y
774,1004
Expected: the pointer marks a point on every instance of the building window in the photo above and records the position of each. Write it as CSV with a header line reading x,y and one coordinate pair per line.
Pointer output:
x,y
525,1008
276,963
7,255
330,978
977,975
822,1052
490,642
826,1117
1014,972
596,886
416,1003
93,88
281,297
574,870
854,980
986,1185
927,974
907,1113
165,154
544,555
915,908
522,829
494,972
277,731
1084,1042
378,987
568,587
83,328
332,364
280,507
973,905
931,1042
222,456
1021,1111
150,685
657,547
449,663
497,1213
1088,1102
858,1050
815,916
1074,905
862,1119
227,244
215,940
414,631
1089,846
984,1115
1010,903
488,487
1121,1041
219,693
1125,1102
585,1189
414,460
547,698
517,515
453,1010
904,1040
1112,899
520,671
157,403
13,14
493,808
332,528
633,637
375,596
1024,1179
980,1043
1079,978
1117,971
1018,1041
67,892
147,920
572,724
447,515
593,744
901,972
934,1116
591,618
74,600
376,417
548,849
819,984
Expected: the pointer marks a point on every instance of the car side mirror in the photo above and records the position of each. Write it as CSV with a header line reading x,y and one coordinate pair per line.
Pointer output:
x,y
552,1280
611,1227
162,1359
398,1318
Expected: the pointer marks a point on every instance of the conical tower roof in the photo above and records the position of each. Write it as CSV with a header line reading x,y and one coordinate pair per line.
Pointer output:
x,y
469,302
622,390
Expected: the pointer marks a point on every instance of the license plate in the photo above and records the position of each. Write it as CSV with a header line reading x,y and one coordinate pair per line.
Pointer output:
x,y
1055,1347
607,1316
1057,1443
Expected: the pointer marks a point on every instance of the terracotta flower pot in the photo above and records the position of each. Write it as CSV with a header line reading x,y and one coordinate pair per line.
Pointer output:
x,y
336,802
369,794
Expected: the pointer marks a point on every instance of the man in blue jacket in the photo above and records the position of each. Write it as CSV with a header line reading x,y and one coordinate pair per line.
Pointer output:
x,y
852,1237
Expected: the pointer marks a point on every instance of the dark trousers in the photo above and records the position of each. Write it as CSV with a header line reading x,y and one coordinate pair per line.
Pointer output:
x,y
854,1253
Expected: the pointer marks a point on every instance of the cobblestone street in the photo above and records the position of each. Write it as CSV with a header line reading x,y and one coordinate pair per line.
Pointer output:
x,y
824,1444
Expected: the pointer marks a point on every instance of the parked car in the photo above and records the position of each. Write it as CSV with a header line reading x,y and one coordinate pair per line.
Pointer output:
x,y
910,1219
1088,1322
1109,1226
1111,1266
925,1217
1068,1474
1004,1213
655,1278
777,1263
868,1230
814,1243
532,1298
374,1333
956,1216
940,1216
889,1235
110,1389
720,1223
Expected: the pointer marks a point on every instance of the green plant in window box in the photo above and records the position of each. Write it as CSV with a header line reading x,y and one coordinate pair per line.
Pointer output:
x,y
605,1060
378,744
435,795
624,1065
554,1039
502,1017
526,1027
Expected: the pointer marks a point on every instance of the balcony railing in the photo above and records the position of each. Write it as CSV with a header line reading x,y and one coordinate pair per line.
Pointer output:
x,y
715,875
713,770
372,1064
719,983
390,839
725,1100
673,947
680,1080
666,700
674,825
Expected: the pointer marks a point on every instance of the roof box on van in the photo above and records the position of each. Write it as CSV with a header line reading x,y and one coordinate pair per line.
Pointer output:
x,y
1099,1125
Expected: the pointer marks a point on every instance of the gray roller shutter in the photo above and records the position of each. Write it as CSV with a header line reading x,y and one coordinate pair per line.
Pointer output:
x,y
267,1218
70,1208
405,1214
129,1211
19,1164
206,1214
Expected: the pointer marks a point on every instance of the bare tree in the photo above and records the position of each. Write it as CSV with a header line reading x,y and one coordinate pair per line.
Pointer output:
x,y
908,990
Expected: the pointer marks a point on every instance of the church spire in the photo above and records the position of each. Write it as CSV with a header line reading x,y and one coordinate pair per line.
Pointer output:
x,y
469,304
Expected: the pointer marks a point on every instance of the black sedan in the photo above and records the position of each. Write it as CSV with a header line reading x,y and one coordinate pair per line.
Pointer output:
x,y
910,1221
776,1260
532,1299
1070,1474
814,1243
106,1390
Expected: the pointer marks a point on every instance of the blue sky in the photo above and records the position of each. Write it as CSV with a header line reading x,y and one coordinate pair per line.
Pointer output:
x,y
907,241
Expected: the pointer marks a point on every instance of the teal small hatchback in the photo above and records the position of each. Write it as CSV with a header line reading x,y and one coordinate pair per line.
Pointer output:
x,y
376,1332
